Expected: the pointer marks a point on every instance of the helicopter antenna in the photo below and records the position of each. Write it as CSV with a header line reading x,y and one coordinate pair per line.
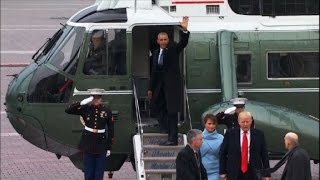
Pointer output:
x,y
63,25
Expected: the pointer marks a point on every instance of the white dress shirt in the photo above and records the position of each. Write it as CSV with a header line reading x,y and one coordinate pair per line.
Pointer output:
x,y
160,55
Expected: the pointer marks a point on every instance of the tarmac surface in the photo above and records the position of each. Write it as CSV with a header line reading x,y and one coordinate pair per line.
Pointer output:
x,y
25,26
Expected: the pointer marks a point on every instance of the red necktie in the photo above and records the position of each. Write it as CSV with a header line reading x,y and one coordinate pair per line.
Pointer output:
x,y
244,153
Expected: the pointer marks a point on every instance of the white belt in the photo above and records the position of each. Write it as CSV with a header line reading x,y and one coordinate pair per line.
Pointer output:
x,y
94,130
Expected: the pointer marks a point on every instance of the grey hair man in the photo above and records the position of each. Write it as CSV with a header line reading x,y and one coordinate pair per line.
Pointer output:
x,y
298,162
188,162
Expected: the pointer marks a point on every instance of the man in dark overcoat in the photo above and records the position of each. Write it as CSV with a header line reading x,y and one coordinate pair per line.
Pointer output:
x,y
243,151
188,162
165,87
298,161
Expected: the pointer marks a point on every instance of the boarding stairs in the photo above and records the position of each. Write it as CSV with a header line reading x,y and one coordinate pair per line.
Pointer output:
x,y
152,162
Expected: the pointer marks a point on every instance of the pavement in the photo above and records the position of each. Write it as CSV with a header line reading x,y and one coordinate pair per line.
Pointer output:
x,y
25,26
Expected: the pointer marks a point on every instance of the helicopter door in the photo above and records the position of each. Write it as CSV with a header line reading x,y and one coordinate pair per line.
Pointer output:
x,y
144,43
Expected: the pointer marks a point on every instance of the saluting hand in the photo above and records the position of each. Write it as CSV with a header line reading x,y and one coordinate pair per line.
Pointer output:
x,y
184,23
86,101
108,153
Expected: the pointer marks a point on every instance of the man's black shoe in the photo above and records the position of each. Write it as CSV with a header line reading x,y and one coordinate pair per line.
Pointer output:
x,y
168,143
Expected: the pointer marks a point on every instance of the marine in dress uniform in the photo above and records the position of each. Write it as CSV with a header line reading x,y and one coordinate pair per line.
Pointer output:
x,y
230,116
96,139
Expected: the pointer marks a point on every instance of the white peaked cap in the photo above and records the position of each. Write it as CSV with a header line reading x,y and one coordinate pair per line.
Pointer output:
x,y
237,101
96,91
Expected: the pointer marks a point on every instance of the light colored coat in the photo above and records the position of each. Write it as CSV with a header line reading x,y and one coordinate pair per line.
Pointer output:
x,y
210,153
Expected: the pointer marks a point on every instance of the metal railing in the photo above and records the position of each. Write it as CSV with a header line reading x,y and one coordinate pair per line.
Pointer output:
x,y
188,106
140,127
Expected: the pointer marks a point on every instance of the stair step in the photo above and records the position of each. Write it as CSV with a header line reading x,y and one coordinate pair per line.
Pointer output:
x,y
159,163
161,175
157,138
149,122
161,151
160,171
159,159
162,147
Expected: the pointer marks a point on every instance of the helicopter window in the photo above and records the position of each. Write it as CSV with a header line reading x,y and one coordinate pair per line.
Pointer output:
x,y
67,56
275,7
48,86
293,65
106,61
243,66
173,9
213,9
166,8
117,48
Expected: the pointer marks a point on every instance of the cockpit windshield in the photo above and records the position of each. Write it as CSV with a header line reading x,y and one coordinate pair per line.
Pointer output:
x,y
45,50
66,55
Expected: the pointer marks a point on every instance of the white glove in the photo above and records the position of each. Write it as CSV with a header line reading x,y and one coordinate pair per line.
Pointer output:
x,y
108,153
231,110
86,100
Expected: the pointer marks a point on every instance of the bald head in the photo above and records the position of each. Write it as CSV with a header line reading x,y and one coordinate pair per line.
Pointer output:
x,y
291,140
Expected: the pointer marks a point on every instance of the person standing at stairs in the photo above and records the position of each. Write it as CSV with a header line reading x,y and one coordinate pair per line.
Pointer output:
x,y
210,148
166,82
188,162
98,133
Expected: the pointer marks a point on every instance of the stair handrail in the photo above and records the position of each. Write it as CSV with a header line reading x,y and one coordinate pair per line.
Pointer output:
x,y
140,127
187,101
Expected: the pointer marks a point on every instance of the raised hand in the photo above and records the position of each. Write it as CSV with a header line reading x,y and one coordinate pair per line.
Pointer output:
x,y
230,110
184,23
86,101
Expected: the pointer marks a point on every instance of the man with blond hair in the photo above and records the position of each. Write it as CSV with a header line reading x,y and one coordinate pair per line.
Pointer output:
x,y
243,151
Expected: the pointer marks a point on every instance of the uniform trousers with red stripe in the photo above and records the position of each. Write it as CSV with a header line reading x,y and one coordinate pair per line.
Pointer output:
x,y
94,166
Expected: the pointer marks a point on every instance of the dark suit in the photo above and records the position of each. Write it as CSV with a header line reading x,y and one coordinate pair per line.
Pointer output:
x,y
187,166
230,154
298,165
166,84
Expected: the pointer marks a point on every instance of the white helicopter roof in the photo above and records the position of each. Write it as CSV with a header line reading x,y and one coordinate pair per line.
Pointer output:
x,y
143,12
114,4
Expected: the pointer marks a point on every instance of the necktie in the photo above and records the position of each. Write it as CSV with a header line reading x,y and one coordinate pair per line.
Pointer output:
x,y
197,158
244,153
198,162
161,58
